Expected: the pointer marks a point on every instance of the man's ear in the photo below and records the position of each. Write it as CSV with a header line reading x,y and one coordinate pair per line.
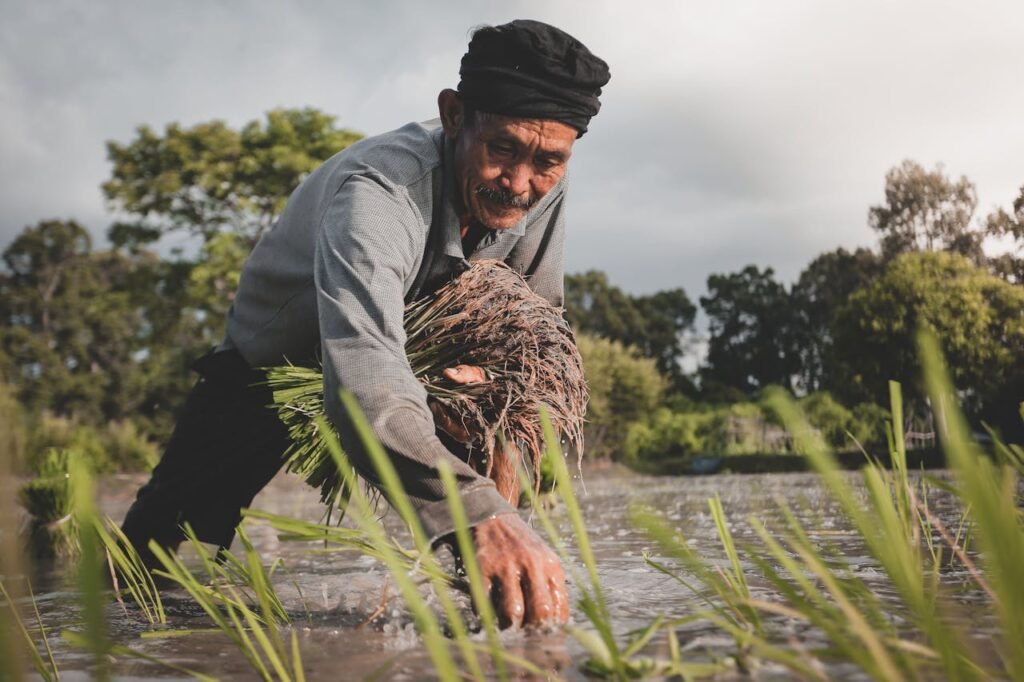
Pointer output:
x,y
452,112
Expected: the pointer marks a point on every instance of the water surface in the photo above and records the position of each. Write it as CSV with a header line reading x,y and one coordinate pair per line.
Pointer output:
x,y
351,626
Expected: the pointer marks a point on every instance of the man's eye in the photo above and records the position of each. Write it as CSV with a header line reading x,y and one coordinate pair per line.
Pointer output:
x,y
501,148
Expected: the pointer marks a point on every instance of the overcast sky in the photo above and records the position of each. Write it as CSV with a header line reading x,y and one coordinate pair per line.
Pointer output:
x,y
731,132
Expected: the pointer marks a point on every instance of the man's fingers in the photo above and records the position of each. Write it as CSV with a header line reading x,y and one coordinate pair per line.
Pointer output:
x,y
453,428
507,597
547,600
466,374
528,582
540,603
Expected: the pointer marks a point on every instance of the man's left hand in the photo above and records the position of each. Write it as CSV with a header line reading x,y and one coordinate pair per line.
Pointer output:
x,y
460,374
523,576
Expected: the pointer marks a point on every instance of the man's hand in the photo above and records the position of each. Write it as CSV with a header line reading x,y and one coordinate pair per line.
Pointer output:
x,y
522,574
466,374
460,374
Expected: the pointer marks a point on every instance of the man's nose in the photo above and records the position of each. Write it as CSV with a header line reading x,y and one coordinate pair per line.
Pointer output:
x,y
516,178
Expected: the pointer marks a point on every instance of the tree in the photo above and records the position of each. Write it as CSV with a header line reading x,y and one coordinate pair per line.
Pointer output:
x,y
93,336
1010,265
210,178
824,285
926,211
69,322
655,324
750,329
976,317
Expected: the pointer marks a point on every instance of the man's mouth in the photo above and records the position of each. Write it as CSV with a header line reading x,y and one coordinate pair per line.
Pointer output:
x,y
504,198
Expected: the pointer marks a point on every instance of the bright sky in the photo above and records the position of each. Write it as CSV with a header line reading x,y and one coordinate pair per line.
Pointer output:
x,y
731,132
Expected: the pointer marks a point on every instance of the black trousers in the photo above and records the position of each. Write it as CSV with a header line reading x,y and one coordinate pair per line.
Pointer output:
x,y
226,446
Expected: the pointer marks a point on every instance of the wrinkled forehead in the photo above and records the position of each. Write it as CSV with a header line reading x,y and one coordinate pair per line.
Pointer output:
x,y
546,133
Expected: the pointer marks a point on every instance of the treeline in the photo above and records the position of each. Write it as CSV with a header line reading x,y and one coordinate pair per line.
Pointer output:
x,y
96,343
836,336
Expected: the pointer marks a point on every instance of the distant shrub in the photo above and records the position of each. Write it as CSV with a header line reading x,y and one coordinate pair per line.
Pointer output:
x,y
624,388
119,447
868,424
830,418
667,434
744,429
128,448
747,428
865,422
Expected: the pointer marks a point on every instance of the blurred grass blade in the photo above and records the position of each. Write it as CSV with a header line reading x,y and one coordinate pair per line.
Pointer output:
x,y
467,551
361,511
90,569
990,493
127,568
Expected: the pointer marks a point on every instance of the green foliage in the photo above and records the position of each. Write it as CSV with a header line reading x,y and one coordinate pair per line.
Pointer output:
x,y
976,315
237,595
127,449
824,285
116,447
209,178
655,324
667,434
212,282
84,334
748,428
47,499
624,388
835,423
751,331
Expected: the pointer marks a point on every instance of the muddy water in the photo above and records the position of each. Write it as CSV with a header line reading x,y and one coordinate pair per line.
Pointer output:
x,y
333,597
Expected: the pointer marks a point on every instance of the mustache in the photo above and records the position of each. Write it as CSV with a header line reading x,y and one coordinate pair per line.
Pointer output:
x,y
504,197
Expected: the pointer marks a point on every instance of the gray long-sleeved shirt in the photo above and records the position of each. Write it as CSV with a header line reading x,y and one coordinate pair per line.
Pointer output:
x,y
371,229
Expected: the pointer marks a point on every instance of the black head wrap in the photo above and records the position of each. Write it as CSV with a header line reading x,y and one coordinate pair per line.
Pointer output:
x,y
528,69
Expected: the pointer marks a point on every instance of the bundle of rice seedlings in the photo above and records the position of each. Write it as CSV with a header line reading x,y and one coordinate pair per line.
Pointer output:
x,y
52,530
487,317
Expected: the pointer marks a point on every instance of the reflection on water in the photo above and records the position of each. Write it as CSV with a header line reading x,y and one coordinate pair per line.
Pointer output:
x,y
351,625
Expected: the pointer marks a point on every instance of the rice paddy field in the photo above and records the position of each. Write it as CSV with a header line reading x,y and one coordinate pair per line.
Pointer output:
x,y
352,624
878,574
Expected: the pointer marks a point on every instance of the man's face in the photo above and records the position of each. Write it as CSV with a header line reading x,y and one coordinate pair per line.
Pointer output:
x,y
504,166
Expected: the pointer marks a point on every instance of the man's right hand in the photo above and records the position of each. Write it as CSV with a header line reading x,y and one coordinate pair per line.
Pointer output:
x,y
523,576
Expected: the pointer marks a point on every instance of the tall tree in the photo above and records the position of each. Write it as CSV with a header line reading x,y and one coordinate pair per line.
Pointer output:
x,y
824,285
210,178
655,324
1000,224
976,317
93,335
750,326
69,322
926,211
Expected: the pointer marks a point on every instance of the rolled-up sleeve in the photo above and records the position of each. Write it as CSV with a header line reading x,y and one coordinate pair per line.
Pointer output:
x,y
367,247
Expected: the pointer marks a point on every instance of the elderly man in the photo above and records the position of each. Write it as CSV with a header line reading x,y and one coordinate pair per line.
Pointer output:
x,y
382,223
